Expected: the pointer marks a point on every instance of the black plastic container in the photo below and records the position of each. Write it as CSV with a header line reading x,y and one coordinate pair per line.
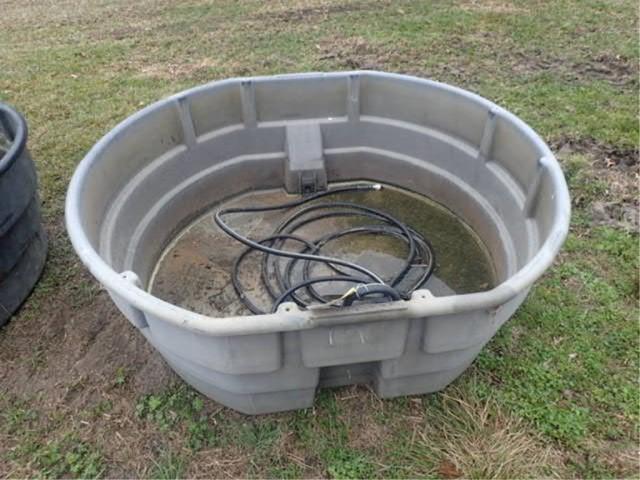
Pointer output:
x,y
23,243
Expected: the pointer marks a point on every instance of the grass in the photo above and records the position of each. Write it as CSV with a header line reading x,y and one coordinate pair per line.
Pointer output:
x,y
555,393
47,455
179,406
477,438
168,467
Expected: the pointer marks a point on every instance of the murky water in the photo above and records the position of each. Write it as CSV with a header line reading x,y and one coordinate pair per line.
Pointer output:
x,y
195,269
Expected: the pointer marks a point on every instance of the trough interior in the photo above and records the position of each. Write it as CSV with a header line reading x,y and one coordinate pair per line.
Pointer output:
x,y
195,269
177,159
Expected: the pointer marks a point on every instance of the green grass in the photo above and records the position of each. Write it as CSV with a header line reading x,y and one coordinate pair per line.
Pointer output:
x,y
557,387
325,433
48,455
183,407
168,466
68,457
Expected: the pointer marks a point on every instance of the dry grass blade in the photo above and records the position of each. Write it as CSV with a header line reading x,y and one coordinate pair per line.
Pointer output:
x,y
475,438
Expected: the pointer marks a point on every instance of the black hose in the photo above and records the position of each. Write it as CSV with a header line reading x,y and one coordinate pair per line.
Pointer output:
x,y
279,283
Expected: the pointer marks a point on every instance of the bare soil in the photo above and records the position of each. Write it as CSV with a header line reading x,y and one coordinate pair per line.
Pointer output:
x,y
619,169
64,353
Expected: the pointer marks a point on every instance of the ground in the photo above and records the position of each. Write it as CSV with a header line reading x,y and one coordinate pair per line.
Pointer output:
x,y
554,394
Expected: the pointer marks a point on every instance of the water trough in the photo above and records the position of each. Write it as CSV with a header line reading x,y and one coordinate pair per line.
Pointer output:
x,y
148,182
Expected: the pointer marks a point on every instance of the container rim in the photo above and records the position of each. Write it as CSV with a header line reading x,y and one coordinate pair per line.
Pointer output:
x,y
15,124
289,317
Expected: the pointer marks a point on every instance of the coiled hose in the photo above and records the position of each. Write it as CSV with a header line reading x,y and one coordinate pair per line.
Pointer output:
x,y
369,286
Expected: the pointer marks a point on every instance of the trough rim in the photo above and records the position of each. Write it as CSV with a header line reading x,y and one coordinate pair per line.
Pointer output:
x,y
19,140
289,317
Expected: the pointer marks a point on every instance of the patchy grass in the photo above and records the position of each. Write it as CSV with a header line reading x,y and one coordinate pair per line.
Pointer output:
x,y
49,455
573,390
183,407
168,467
554,394
462,434
67,457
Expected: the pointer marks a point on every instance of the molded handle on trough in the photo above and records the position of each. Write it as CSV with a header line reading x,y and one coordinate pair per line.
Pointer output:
x,y
135,316
327,316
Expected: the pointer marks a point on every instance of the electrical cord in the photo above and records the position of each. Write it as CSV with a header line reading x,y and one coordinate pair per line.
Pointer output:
x,y
279,283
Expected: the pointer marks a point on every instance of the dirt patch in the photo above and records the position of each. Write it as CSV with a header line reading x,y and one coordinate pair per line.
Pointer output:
x,y
69,339
306,13
616,170
72,354
614,214
71,364
224,462
605,154
623,461
364,54
613,69
361,407
361,53
356,53
79,367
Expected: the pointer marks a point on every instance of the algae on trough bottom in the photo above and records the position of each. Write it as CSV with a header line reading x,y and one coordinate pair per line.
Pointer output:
x,y
194,271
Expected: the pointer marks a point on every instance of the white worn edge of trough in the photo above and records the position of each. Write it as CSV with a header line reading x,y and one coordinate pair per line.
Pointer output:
x,y
422,303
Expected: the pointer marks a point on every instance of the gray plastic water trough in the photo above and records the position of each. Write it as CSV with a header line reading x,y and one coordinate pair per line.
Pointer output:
x,y
162,167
